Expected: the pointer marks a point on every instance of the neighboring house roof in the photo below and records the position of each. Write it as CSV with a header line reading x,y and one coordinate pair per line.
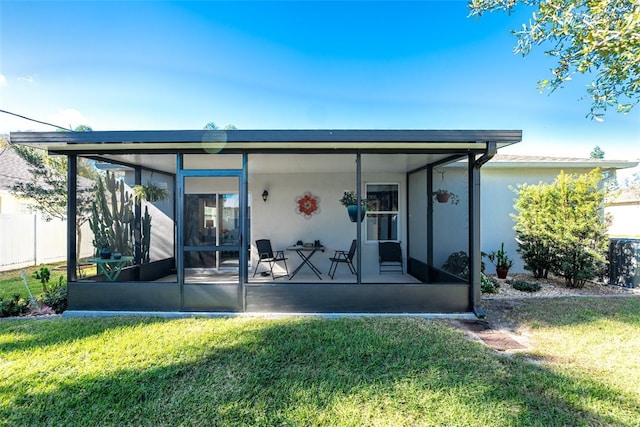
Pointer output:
x,y
13,169
627,196
519,161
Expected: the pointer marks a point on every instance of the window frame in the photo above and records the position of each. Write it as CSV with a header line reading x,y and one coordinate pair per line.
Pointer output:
x,y
369,213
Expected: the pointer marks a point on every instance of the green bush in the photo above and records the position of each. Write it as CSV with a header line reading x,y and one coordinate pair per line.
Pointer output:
x,y
56,296
457,264
14,306
43,275
488,285
524,286
560,227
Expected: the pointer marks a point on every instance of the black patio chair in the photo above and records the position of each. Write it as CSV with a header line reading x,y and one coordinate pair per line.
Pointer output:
x,y
343,257
390,257
267,255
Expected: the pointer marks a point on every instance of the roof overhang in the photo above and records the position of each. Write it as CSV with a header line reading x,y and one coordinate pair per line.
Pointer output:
x,y
502,161
266,140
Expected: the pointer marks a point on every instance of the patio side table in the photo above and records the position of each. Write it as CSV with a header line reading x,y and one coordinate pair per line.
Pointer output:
x,y
305,253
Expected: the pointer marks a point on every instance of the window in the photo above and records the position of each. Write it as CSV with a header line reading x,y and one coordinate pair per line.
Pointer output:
x,y
382,212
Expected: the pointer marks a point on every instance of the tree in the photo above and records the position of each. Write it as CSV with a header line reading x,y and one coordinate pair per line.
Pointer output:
x,y
560,227
213,126
597,153
47,187
585,36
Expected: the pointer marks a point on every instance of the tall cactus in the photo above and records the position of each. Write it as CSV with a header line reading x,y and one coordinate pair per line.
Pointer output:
x,y
146,235
113,216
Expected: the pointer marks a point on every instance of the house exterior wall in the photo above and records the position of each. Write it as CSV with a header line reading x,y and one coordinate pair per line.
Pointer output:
x,y
278,220
624,218
452,233
497,201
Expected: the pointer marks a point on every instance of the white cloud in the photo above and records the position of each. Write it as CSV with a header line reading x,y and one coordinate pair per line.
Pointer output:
x,y
69,118
3,80
28,79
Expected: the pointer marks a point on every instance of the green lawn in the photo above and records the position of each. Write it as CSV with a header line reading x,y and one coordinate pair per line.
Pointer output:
x,y
11,281
309,372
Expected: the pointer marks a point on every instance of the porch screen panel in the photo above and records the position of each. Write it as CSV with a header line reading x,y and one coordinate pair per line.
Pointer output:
x,y
140,218
287,180
211,230
158,214
417,227
450,218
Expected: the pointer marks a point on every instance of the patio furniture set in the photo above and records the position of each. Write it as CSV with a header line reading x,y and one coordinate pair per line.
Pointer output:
x,y
389,258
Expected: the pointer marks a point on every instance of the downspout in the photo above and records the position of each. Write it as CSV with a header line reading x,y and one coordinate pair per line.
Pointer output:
x,y
490,152
474,214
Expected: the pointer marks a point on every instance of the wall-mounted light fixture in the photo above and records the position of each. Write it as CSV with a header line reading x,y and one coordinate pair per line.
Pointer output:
x,y
265,195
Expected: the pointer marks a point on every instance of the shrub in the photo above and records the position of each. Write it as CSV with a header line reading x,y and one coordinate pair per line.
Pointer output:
x,y
488,285
560,228
43,274
14,306
56,296
458,264
525,286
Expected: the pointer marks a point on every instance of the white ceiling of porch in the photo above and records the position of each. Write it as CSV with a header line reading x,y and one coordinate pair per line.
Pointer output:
x,y
297,163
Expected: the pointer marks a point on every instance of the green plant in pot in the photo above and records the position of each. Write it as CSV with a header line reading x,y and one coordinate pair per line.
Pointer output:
x,y
350,201
501,261
101,243
442,195
150,192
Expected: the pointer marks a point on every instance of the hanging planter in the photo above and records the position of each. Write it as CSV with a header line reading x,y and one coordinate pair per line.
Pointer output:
x,y
150,192
442,195
352,210
350,201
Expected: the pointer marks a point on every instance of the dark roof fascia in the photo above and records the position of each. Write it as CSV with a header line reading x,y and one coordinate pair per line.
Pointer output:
x,y
95,153
308,139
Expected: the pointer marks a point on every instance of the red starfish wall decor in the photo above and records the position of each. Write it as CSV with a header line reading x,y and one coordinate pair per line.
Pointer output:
x,y
307,205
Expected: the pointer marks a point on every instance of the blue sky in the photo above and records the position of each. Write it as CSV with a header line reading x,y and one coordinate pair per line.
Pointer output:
x,y
122,65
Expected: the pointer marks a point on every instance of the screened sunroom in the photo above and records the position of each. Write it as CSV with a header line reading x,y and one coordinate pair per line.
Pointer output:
x,y
184,211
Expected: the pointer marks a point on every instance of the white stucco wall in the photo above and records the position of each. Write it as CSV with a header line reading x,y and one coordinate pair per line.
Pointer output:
x,y
451,222
497,200
278,221
625,219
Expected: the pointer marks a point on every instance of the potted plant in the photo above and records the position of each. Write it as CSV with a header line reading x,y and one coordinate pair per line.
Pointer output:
x,y
444,196
350,201
101,243
501,261
150,192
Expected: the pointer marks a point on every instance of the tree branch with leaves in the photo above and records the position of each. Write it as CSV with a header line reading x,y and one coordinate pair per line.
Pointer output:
x,y
595,37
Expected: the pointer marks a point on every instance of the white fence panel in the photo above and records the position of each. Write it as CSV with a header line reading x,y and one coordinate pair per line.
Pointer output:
x,y
26,239
17,235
